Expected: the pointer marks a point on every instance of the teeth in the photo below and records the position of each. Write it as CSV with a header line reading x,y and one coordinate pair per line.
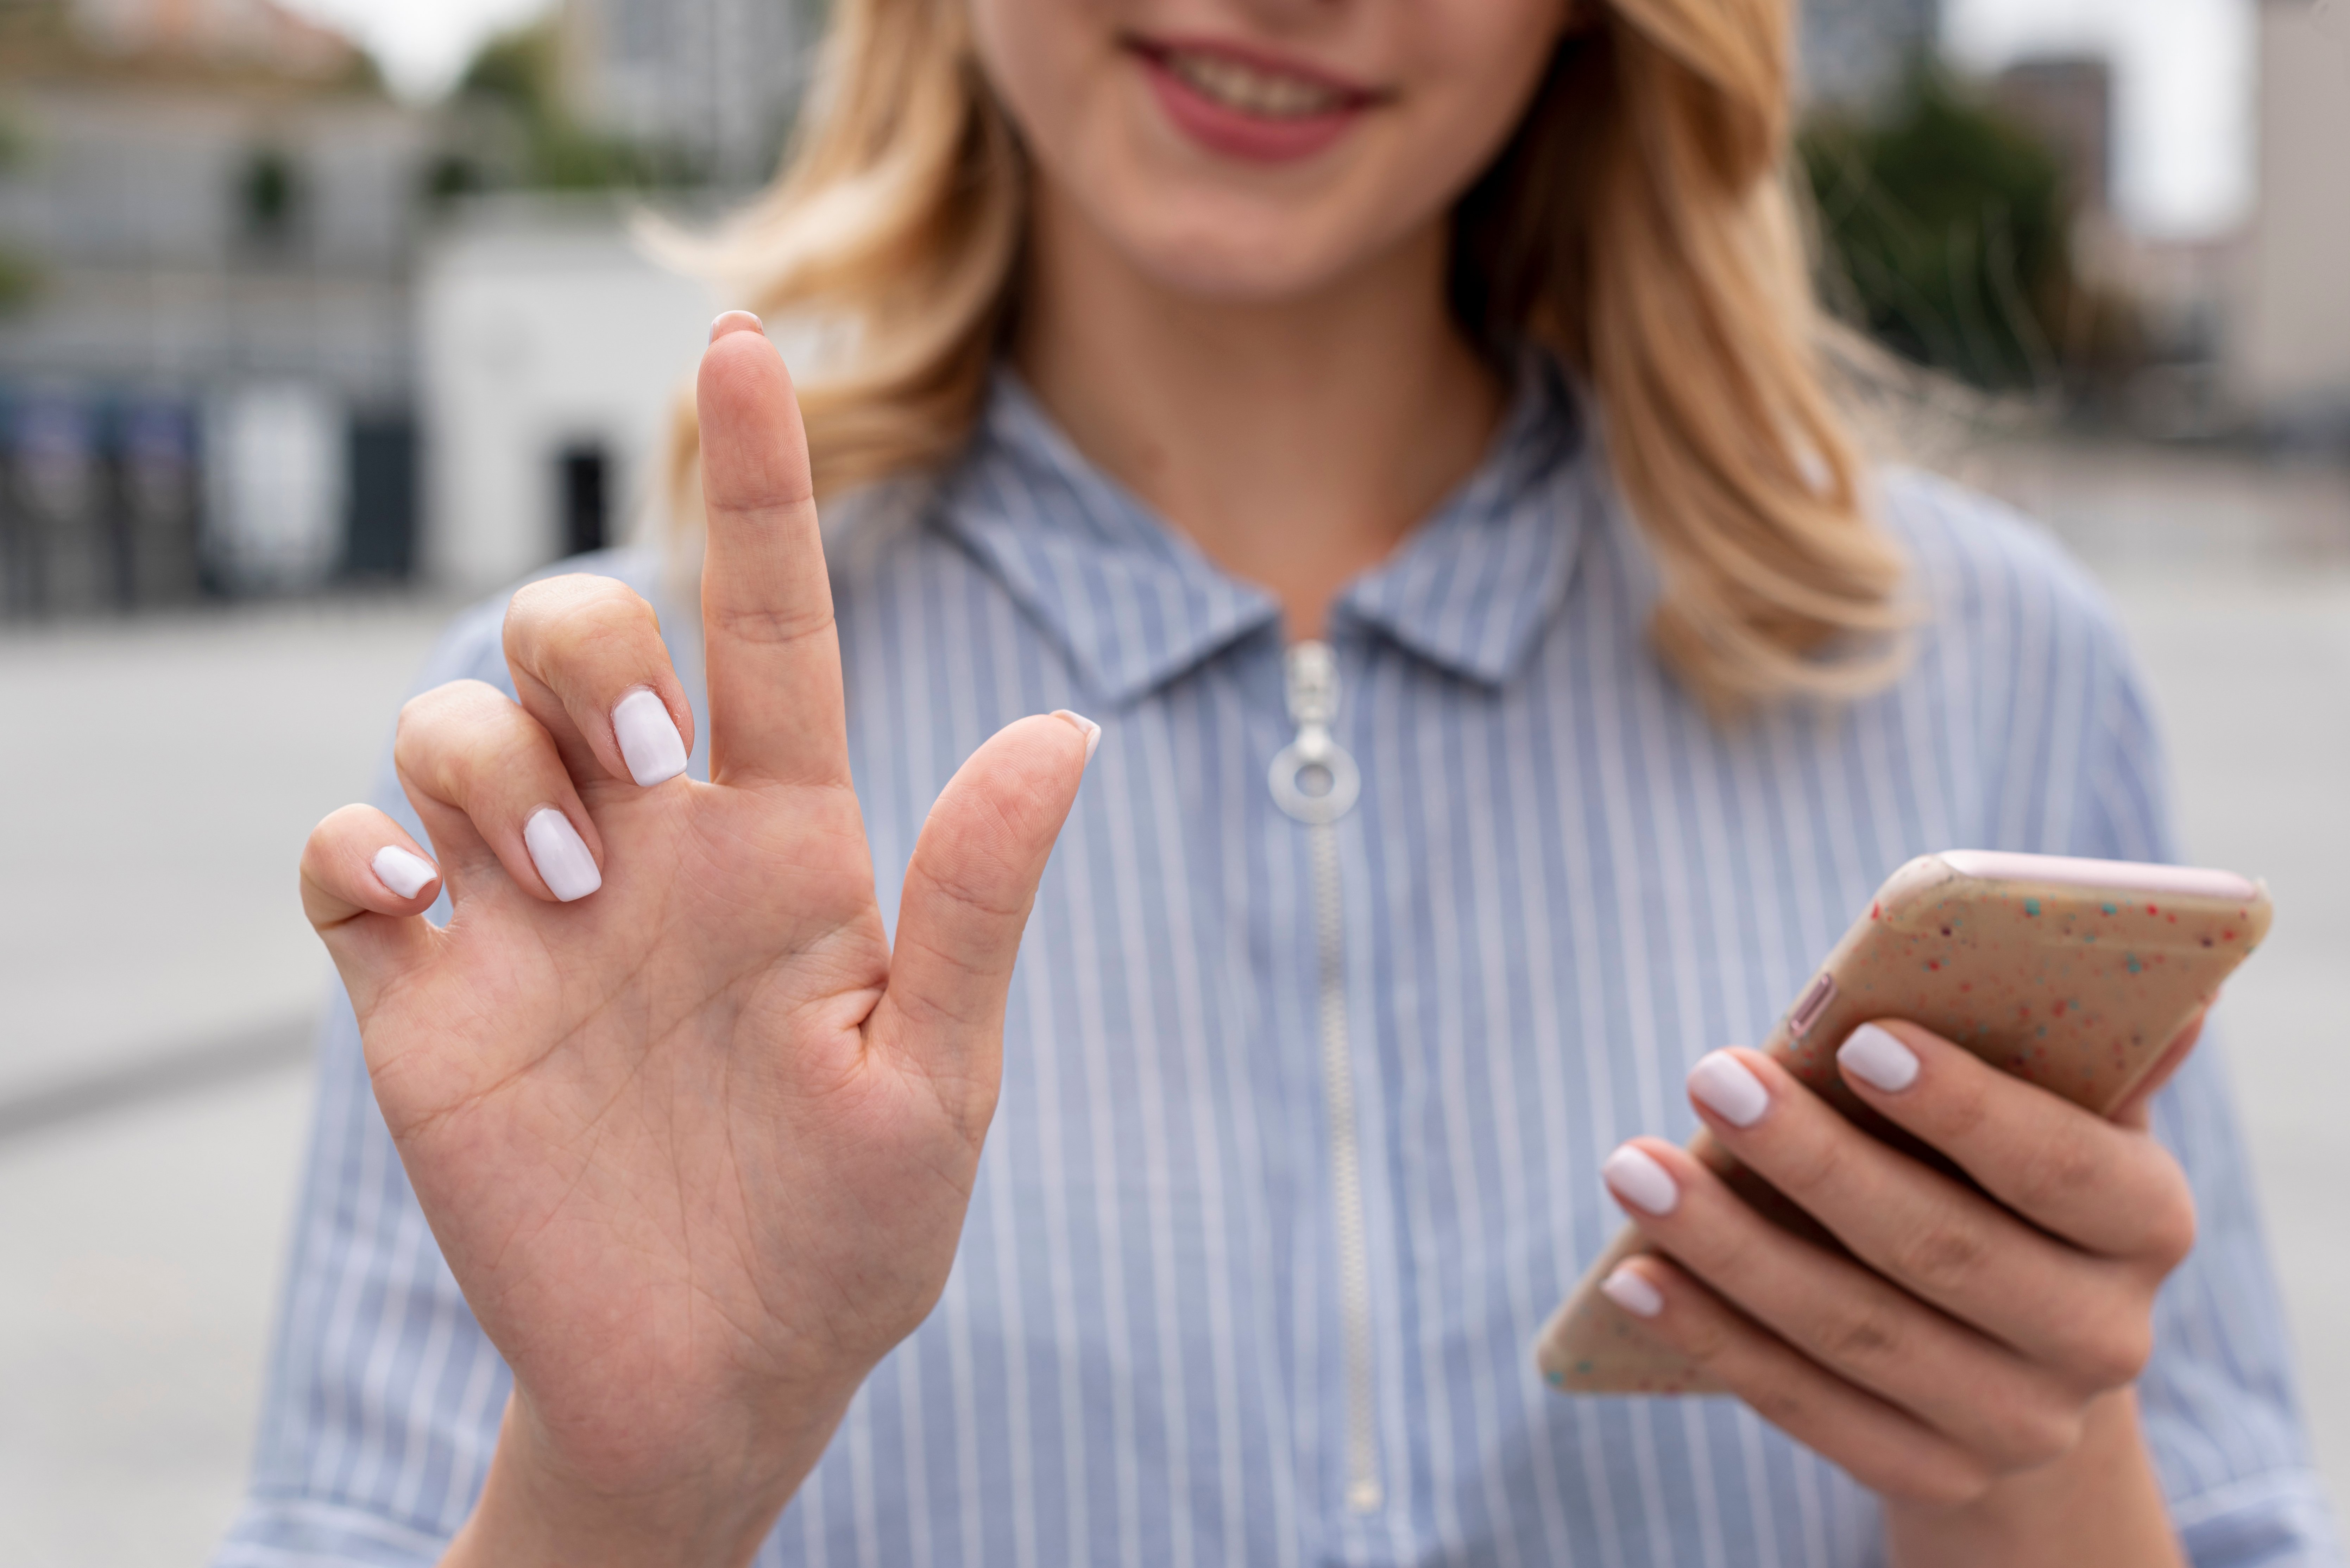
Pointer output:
x,y
1249,89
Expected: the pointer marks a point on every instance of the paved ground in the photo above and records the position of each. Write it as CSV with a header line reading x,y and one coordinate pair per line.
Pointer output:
x,y
160,776
149,909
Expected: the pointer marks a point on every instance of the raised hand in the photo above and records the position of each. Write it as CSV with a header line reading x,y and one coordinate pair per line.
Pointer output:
x,y
695,1141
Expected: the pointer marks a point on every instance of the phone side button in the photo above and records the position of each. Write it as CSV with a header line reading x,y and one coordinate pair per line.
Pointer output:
x,y
1815,1001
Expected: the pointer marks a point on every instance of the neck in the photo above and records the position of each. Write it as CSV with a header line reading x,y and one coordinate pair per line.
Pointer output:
x,y
1295,443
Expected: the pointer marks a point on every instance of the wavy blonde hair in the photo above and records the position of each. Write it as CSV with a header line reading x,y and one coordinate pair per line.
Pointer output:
x,y
1639,225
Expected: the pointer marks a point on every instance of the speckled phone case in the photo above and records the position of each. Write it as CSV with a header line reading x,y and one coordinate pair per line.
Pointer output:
x,y
2074,974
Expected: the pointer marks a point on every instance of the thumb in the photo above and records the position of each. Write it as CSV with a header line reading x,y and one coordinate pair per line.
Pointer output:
x,y
968,893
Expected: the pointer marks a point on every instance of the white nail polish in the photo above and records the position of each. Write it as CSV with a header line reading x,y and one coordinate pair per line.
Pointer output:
x,y
1084,726
1632,1294
650,743
1877,1058
406,875
1728,1088
561,856
719,328
1636,1178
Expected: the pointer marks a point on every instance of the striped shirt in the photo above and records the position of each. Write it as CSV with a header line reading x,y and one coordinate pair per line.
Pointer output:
x,y
1243,1284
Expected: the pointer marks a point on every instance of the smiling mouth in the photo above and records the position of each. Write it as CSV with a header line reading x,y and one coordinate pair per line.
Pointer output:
x,y
1250,88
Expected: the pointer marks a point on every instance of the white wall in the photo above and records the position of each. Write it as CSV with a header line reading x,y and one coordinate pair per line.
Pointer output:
x,y
540,326
2289,344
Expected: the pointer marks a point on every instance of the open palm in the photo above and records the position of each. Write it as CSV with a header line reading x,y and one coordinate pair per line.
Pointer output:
x,y
696,1143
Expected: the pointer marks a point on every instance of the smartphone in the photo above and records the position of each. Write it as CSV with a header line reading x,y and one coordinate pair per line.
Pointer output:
x,y
2071,975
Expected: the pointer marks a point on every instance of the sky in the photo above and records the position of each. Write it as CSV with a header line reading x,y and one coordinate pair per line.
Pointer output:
x,y
2183,79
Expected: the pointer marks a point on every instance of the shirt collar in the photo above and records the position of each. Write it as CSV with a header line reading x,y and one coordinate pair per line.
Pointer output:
x,y
1135,604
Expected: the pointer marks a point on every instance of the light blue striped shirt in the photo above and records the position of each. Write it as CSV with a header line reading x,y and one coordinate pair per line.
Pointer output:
x,y
1560,885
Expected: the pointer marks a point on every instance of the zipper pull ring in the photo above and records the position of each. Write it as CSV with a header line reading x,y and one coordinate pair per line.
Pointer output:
x,y
1313,780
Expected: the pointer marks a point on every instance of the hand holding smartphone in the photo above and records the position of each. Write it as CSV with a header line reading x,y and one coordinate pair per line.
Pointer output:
x,y
2071,975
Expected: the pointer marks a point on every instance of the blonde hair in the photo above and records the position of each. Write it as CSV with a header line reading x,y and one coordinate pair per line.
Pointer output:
x,y
1639,224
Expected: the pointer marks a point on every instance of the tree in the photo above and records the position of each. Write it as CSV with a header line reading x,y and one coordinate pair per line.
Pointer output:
x,y
1944,225
519,73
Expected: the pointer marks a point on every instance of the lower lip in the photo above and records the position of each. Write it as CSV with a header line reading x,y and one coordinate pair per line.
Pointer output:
x,y
1222,129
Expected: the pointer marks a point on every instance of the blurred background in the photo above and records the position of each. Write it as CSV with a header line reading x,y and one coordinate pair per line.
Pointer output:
x,y
319,317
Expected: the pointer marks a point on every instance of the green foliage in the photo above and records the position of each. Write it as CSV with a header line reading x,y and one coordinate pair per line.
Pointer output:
x,y
519,68
364,77
20,280
21,277
520,73
1943,223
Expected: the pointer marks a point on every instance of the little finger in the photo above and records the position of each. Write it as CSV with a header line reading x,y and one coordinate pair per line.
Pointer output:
x,y
485,778
364,885
1845,1317
1882,1447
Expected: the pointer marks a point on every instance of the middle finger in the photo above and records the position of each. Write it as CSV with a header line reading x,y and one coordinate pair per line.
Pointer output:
x,y
1843,1316
590,664
1929,1233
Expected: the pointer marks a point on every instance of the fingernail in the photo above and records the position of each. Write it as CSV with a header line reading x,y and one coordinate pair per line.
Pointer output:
x,y
405,874
561,856
1877,1058
1633,1176
1084,726
736,321
1729,1090
650,743
1632,1294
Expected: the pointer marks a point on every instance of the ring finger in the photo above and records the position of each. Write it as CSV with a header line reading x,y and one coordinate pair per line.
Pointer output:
x,y
1883,1448
1841,1315
492,792
1936,1239
590,665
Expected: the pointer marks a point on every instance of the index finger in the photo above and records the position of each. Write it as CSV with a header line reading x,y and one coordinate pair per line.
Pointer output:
x,y
772,661
2111,1189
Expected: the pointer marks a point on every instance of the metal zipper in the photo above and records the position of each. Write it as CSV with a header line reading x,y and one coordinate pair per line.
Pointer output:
x,y
1315,782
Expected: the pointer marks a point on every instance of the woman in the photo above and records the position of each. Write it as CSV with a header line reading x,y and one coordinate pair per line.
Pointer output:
x,y
1421,403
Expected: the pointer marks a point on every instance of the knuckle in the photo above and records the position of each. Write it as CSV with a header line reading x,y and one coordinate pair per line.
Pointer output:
x,y
2037,1434
979,883
2171,1224
1707,1337
318,850
560,597
555,619
2116,1354
1817,1165
467,730
1951,1482
769,626
1859,1334
427,719
1782,1401
2059,1170
1938,1256
620,615
1964,1107
1716,1246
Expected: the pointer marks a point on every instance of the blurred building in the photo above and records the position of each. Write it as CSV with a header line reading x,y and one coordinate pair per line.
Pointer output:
x,y
553,351
1853,51
207,220
715,81
2288,345
2068,99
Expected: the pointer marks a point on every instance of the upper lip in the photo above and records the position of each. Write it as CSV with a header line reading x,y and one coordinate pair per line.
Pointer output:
x,y
1264,60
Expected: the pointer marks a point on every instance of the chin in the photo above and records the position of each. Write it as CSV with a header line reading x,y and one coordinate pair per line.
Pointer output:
x,y
1233,252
